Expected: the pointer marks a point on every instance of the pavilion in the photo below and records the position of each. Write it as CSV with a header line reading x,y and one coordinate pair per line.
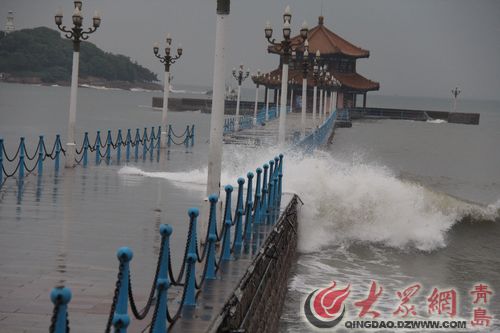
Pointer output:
x,y
337,54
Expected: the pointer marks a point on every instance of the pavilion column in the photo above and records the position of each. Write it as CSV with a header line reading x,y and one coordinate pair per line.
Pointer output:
x,y
364,100
267,103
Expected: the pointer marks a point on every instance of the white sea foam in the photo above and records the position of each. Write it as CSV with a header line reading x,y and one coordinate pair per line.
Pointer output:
x,y
349,201
437,121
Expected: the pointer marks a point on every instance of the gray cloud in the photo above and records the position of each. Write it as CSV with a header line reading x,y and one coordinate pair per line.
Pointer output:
x,y
418,48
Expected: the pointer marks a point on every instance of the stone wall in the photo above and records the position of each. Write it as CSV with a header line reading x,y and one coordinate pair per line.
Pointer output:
x,y
256,303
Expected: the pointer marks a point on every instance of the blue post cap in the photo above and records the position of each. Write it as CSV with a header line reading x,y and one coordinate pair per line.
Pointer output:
x,y
241,181
124,254
271,162
213,198
61,294
228,189
276,158
166,229
281,155
266,166
162,284
191,257
250,175
121,320
193,212
212,238
258,170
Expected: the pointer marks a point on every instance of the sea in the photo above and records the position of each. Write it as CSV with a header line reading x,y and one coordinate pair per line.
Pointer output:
x,y
412,208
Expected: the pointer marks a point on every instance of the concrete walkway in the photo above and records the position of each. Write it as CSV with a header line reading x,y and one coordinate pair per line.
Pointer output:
x,y
267,134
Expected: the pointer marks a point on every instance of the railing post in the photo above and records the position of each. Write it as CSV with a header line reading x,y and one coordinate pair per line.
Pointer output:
x,y
85,149
1,161
192,135
98,148
108,147
145,140
212,237
58,152
128,141
258,196
158,137
158,143
249,207
264,199
119,141
151,143
121,319
41,155
21,160
191,258
60,297
280,180
226,243
137,141
163,282
270,203
276,192
169,139
238,237
186,139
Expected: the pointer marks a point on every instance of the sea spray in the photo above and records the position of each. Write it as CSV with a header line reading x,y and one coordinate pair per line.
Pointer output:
x,y
348,201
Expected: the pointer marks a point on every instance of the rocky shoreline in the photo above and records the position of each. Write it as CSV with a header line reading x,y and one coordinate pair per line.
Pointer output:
x,y
91,82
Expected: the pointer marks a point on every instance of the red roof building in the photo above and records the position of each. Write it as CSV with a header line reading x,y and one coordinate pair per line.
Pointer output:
x,y
338,55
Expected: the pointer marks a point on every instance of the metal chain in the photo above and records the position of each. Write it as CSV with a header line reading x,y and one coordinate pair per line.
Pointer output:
x,y
143,313
115,298
15,156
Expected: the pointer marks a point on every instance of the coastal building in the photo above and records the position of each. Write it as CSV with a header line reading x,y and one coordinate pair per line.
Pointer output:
x,y
339,56
9,25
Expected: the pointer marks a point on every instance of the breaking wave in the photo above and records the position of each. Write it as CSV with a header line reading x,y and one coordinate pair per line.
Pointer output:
x,y
351,201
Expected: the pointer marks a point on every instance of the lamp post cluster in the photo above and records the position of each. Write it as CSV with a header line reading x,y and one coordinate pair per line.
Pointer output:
x,y
240,75
286,46
76,34
167,59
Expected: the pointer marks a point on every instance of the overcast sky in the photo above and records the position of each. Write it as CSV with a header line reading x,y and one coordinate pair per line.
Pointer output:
x,y
418,47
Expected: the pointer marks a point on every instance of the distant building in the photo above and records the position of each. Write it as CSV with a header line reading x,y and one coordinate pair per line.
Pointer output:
x,y
338,54
9,26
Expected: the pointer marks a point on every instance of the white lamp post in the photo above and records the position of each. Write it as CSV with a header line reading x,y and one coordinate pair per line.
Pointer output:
x,y
286,46
240,76
315,89
257,77
76,34
217,115
305,70
167,60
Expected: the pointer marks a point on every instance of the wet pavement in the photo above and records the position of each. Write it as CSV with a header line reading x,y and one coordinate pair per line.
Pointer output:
x,y
65,229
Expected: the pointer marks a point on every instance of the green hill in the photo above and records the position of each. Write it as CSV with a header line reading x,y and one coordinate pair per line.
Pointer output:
x,y
41,53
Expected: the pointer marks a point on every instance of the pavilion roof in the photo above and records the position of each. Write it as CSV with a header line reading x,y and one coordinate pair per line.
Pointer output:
x,y
327,42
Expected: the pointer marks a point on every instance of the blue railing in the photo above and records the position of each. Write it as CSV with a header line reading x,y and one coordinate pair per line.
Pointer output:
x,y
319,136
22,163
258,207
246,122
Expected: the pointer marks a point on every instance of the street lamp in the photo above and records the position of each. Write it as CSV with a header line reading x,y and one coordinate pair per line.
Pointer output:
x,y
167,60
286,46
316,81
305,71
76,34
455,93
256,78
240,75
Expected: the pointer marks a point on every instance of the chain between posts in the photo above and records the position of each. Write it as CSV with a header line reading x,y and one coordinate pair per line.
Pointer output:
x,y
257,207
